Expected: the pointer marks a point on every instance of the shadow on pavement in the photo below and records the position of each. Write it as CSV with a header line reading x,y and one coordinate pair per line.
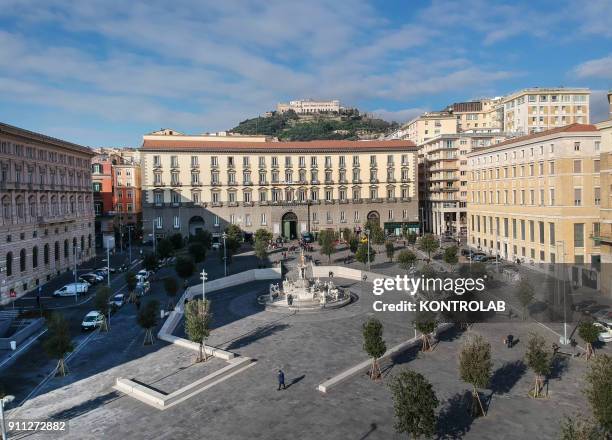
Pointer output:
x,y
506,376
454,420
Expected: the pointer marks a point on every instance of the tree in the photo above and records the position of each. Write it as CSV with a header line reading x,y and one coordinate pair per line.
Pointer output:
x,y
131,282
353,244
579,430
184,268
412,238
362,254
263,235
450,255
197,252
234,233
475,368
164,248
599,390
406,259
415,403
539,360
327,240
171,287
390,250
377,235
346,234
101,303
177,241
428,244
525,295
202,237
261,250
150,261
589,333
147,319
425,323
373,344
58,343
197,321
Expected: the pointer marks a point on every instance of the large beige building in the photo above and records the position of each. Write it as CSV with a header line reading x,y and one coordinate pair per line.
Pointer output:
x,y
605,128
192,183
443,180
47,209
428,126
538,109
309,106
537,198
483,115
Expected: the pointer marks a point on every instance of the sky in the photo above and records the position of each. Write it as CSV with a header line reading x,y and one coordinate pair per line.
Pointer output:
x,y
103,73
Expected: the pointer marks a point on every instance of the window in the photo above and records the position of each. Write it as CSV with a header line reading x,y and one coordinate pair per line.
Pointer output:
x,y
194,161
577,166
551,233
576,146
541,230
177,222
263,219
97,187
579,235
552,196
174,161
156,161
597,194
577,196
596,234
596,166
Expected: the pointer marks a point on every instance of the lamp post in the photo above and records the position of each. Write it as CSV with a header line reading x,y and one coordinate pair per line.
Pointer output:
x,y
75,249
3,401
203,277
224,237
129,228
154,240
563,339
367,233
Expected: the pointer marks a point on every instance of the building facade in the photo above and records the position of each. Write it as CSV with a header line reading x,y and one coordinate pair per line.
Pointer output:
x,y
428,126
47,209
605,129
443,180
539,109
285,187
537,198
481,115
309,106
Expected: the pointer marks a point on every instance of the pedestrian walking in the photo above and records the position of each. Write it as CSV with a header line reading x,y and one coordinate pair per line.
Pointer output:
x,y
281,380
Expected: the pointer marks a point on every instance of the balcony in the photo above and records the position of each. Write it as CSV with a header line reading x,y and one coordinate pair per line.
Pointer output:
x,y
357,200
159,184
232,204
329,182
373,180
329,202
406,199
216,204
249,183
248,204
343,181
196,184
343,201
215,183
176,184
391,200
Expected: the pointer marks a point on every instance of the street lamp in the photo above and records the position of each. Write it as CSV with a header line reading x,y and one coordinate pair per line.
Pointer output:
x,y
3,401
203,277
367,233
224,237
129,228
563,339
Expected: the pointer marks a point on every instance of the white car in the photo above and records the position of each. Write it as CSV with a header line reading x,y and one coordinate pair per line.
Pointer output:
x,y
72,289
117,300
145,274
605,331
92,320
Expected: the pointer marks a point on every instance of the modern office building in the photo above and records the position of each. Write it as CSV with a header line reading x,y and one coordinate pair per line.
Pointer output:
x,y
47,209
443,179
309,106
539,109
198,182
537,198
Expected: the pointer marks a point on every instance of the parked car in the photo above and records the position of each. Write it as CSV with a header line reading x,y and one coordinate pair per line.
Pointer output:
x,y
72,289
605,331
480,258
308,237
91,278
142,288
216,245
144,274
92,320
117,300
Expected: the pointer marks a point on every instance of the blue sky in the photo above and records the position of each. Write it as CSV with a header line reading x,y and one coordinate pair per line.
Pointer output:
x,y
103,73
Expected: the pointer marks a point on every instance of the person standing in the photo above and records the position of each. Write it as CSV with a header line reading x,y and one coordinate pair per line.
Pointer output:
x,y
281,380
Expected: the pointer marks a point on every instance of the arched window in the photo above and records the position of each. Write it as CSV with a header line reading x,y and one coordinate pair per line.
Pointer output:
x,y
82,242
80,203
46,254
54,207
57,251
74,246
9,264
34,257
6,207
64,206
32,206
89,241
20,207
44,206
66,251
22,260
72,205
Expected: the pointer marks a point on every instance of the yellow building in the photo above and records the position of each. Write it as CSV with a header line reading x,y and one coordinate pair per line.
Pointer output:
x,y
538,109
481,115
428,126
537,198
605,128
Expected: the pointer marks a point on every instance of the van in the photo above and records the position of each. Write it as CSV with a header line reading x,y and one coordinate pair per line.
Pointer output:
x,y
72,289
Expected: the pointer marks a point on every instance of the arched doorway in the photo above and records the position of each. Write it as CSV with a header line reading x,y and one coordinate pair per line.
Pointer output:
x,y
374,218
196,224
289,226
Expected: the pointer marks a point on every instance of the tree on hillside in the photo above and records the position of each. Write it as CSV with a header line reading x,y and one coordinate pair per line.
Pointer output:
x,y
373,344
428,244
415,403
406,259
363,255
101,303
171,287
390,250
525,295
450,255
261,250
197,252
147,319
197,322
599,391
58,342
327,241
184,268
589,333
425,323
475,368
539,360
165,248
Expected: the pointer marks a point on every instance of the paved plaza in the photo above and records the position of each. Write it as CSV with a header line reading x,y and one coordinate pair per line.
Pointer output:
x,y
310,348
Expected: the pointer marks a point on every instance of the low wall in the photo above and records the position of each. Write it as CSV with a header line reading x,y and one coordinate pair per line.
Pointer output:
x,y
351,372
240,278
23,334
344,272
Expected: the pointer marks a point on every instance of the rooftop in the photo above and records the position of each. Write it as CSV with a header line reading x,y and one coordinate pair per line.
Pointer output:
x,y
38,137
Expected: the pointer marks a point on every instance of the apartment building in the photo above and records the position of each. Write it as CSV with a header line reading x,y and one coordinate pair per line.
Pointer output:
x,y
483,115
47,209
605,129
443,180
539,109
537,198
428,126
285,187
309,106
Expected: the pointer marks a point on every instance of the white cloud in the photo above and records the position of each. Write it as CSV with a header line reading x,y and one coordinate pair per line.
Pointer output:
x,y
598,68
599,107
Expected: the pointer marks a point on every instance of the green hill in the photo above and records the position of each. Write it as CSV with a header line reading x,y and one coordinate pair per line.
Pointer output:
x,y
291,127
